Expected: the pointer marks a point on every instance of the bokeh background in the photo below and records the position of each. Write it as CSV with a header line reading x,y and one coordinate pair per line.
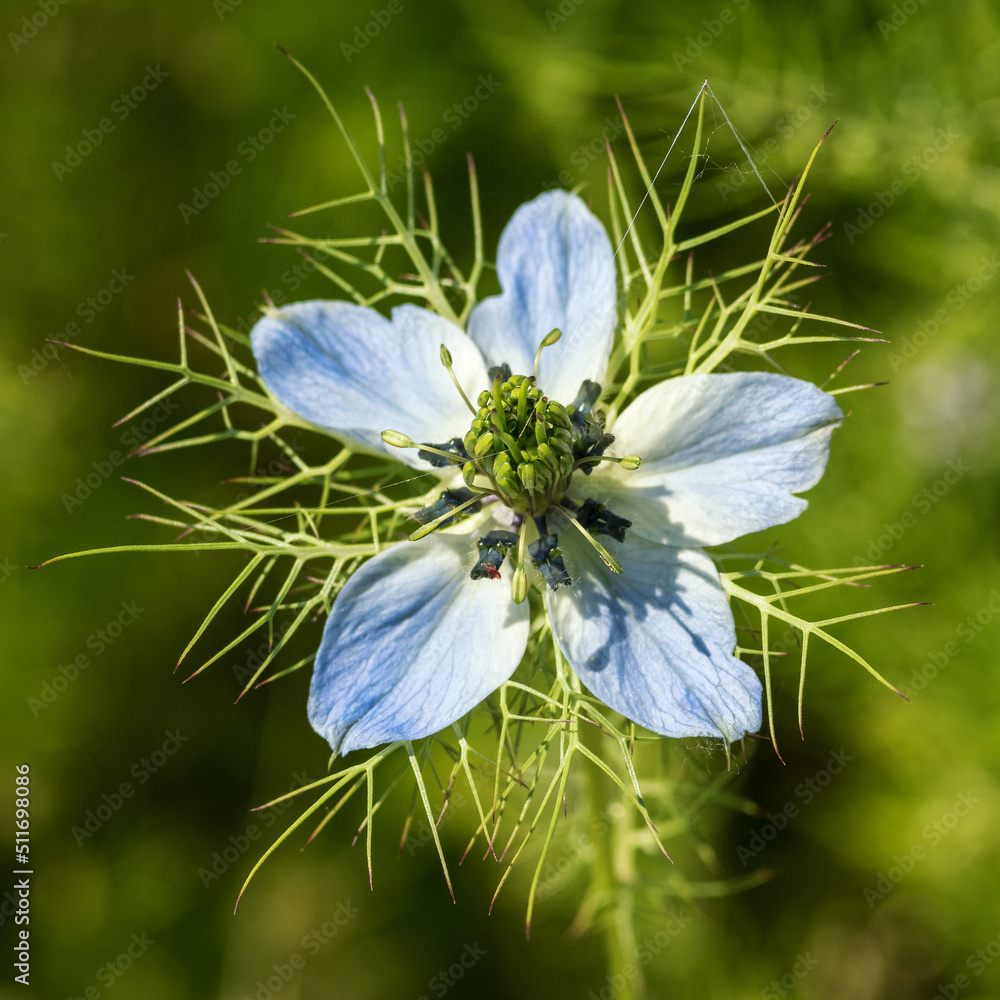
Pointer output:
x,y
910,182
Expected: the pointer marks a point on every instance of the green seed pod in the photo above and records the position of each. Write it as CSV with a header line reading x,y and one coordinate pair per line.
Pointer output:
x,y
510,486
502,464
526,473
519,586
548,457
544,478
484,445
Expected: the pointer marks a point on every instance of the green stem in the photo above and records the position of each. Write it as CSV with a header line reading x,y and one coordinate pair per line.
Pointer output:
x,y
623,970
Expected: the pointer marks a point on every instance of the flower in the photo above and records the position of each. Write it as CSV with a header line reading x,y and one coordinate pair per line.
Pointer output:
x,y
426,629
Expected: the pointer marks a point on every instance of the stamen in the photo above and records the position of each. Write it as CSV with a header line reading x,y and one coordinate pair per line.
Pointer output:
x,y
436,455
628,462
547,341
493,549
446,361
547,557
443,510
583,405
397,439
609,560
596,517
519,584
590,446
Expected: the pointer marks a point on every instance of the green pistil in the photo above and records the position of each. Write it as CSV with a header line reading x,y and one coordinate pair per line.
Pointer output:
x,y
528,446
523,449
522,443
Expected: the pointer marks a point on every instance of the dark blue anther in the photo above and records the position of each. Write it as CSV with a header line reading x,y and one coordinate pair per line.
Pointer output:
x,y
547,557
583,405
454,446
501,372
592,443
598,520
493,549
448,500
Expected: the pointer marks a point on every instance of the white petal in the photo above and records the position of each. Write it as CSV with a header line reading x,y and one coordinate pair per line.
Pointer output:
x,y
556,269
348,369
654,643
412,644
722,455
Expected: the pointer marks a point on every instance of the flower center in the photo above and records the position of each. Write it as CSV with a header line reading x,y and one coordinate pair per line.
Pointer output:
x,y
522,450
527,446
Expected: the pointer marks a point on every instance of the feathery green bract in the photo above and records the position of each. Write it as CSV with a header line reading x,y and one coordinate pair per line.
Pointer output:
x,y
523,762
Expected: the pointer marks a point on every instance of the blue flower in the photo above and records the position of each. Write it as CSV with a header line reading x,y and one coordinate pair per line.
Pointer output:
x,y
425,630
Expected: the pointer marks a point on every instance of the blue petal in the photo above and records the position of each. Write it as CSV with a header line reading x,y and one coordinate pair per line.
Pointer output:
x,y
412,644
655,643
556,269
722,455
348,369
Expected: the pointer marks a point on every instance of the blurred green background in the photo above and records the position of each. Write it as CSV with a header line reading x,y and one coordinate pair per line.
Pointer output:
x,y
910,180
